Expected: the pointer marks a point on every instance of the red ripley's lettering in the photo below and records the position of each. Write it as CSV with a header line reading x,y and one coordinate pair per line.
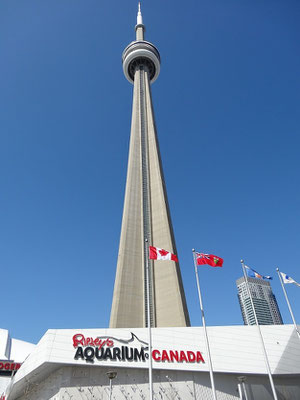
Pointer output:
x,y
79,339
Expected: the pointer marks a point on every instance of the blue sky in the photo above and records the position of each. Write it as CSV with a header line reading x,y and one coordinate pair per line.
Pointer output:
x,y
227,112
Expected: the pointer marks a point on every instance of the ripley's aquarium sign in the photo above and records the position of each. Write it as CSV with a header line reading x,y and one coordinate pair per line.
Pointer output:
x,y
104,348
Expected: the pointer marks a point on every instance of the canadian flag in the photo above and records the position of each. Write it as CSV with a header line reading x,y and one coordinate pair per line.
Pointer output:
x,y
156,253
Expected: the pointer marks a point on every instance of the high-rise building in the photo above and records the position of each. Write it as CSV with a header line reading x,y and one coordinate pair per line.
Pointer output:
x,y
264,301
146,213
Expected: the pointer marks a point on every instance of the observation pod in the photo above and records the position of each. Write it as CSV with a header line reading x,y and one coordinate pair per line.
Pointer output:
x,y
140,53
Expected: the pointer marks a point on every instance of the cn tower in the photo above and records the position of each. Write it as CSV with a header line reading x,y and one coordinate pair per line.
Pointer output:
x,y
146,216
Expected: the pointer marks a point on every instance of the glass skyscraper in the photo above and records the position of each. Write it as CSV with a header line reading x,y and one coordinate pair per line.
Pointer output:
x,y
266,307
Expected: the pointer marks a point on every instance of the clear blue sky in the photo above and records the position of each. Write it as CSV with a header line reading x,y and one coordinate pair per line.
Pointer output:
x,y
227,112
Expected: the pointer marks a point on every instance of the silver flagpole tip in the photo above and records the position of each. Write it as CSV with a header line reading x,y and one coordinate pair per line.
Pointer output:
x,y
277,269
193,250
242,261
146,240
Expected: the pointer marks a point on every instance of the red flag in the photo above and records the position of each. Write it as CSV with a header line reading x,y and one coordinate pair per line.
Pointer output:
x,y
209,259
160,254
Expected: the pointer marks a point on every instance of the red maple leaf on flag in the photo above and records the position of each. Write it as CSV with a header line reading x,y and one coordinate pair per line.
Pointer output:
x,y
163,252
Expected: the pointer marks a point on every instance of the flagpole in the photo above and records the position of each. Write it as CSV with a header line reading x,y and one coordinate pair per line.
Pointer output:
x,y
260,334
205,331
242,390
239,386
288,303
149,321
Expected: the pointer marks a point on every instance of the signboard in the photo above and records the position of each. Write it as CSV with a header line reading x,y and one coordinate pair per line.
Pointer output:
x,y
7,365
102,348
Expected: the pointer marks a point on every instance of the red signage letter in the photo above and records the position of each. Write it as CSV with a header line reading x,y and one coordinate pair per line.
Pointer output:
x,y
156,355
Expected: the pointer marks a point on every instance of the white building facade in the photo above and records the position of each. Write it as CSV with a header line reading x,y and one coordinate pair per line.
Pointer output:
x,y
12,353
73,364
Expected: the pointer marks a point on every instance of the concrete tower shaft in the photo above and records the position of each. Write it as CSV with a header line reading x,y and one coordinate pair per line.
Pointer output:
x,y
146,211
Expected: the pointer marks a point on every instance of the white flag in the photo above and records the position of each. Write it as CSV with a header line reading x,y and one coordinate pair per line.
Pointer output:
x,y
288,279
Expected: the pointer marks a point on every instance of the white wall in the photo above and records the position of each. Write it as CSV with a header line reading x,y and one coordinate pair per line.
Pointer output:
x,y
87,383
52,372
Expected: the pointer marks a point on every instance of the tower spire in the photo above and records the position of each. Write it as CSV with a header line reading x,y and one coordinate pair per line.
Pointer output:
x,y
140,27
139,20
